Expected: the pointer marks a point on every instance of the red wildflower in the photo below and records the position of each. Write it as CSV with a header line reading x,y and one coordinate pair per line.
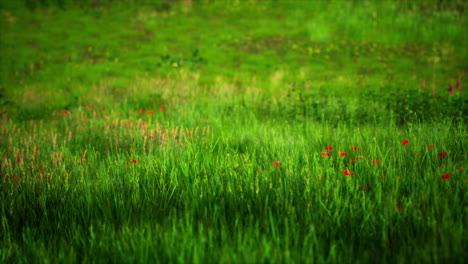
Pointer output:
x,y
103,108
141,111
405,142
36,149
375,161
430,146
450,89
40,166
126,165
398,207
322,177
328,148
366,186
348,173
443,154
134,161
15,177
461,168
64,112
276,164
83,120
162,108
325,154
351,161
446,176
150,112
354,148
343,154
18,160
89,106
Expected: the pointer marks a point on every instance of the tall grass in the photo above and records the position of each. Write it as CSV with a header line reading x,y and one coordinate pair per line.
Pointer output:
x,y
273,134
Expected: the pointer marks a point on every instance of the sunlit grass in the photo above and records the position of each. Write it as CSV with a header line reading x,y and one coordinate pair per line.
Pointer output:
x,y
240,133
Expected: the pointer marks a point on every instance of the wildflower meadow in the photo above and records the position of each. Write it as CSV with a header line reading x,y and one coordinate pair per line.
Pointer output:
x,y
200,131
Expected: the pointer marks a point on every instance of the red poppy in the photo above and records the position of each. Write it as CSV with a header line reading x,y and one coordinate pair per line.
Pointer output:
x,y
276,164
430,146
351,161
18,160
443,154
328,148
405,142
150,112
343,154
126,165
461,168
162,108
36,149
89,106
348,173
366,186
141,111
322,177
40,166
325,154
15,177
446,176
103,108
83,120
398,207
134,161
375,161
354,148
64,112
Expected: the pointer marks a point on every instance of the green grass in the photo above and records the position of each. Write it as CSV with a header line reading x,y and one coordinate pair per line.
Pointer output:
x,y
232,169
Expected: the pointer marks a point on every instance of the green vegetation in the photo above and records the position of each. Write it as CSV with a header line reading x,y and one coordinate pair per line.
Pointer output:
x,y
199,131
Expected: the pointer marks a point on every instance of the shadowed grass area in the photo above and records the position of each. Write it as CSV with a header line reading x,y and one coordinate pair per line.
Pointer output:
x,y
233,132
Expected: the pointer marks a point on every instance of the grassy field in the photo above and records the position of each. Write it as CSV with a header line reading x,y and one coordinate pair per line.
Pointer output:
x,y
233,131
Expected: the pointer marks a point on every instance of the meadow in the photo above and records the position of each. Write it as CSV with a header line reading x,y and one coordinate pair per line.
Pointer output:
x,y
233,131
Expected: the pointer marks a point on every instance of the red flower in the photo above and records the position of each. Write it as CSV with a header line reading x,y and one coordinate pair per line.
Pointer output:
x,y
162,108
15,177
276,164
36,149
461,168
446,176
328,148
348,173
40,166
103,108
83,120
443,154
430,146
398,207
89,106
126,165
64,112
18,160
405,142
150,112
375,161
343,154
322,177
366,186
134,161
141,111
354,148
325,154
